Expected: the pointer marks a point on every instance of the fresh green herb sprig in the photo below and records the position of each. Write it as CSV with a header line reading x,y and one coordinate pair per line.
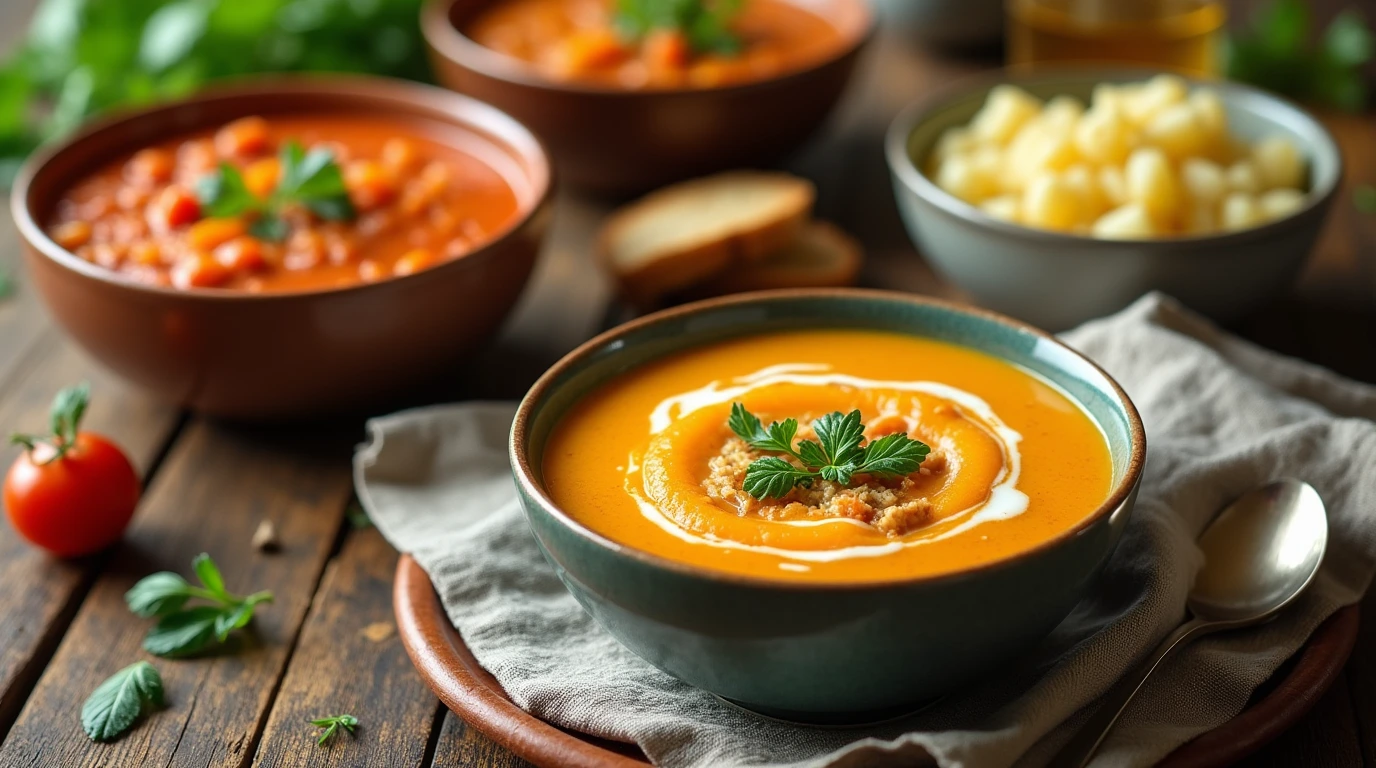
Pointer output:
x,y
311,179
839,452
705,23
65,419
332,724
1275,53
112,708
185,631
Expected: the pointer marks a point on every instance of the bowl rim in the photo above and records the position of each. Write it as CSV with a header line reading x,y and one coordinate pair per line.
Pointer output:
x,y
445,106
524,473
905,169
445,40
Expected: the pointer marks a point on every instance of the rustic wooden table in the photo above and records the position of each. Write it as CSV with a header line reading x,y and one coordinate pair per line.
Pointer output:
x,y
328,643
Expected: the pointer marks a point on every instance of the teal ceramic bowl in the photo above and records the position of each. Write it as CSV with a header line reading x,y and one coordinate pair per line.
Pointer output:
x,y
810,652
1059,280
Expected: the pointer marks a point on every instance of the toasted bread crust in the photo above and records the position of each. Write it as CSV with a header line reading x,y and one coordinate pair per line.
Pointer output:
x,y
777,272
676,269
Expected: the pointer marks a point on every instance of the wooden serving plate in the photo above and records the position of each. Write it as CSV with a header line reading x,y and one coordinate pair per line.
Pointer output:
x,y
449,668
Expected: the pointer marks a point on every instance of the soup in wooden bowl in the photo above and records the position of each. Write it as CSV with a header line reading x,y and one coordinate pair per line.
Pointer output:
x,y
281,249
827,504
632,95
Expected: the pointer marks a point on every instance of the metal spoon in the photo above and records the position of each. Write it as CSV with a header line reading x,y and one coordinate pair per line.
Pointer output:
x,y
1259,555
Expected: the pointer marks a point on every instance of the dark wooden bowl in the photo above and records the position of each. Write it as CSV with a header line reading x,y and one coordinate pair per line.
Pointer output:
x,y
277,356
620,140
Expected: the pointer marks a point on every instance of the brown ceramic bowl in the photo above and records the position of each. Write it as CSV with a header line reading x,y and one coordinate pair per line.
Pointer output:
x,y
275,356
627,140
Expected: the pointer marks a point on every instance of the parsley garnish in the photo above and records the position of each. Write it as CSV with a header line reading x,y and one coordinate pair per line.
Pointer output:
x,y
706,23
334,723
183,631
113,707
836,455
309,179
1275,53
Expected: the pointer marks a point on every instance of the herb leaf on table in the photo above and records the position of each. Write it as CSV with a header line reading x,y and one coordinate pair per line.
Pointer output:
x,y
332,724
186,631
839,453
115,704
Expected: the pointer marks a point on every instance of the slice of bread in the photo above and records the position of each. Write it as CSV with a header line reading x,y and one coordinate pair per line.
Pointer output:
x,y
688,232
819,256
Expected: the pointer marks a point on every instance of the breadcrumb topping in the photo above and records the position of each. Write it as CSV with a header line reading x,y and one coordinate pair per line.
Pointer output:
x,y
890,505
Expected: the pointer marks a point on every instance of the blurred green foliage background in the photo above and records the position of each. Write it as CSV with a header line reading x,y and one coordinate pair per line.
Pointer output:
x,y
81,57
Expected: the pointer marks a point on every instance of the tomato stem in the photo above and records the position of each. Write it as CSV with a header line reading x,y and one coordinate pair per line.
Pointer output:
x,y
65,419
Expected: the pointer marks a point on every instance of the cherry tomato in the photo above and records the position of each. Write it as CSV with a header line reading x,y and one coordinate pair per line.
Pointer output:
x,y
75,492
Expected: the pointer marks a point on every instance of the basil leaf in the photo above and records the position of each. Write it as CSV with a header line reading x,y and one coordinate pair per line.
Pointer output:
x,y
894,455
224,194
840,436
116,703
158,595
772,477
269,227
184,633
339,208
209,574
232,619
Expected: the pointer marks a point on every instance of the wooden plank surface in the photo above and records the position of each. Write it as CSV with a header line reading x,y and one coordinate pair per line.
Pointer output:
x,y
350,660
215,487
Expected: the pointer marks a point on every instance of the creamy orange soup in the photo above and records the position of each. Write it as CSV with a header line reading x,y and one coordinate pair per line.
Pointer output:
x,y
648,459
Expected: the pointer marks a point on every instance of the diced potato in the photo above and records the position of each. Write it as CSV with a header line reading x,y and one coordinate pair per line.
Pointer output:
x,y
968,178
1084,182
1203,180
1004,112
954,141
1061,113
1128,222
1177,131
1003,207
1243,177
1240,211
1113,185
1151,183
1104,136
1279,203
1278,163
1147,159
1209,111
1050,203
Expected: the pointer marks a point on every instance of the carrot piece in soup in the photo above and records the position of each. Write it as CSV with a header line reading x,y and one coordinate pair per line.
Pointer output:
x,y
209,234
261,176
174,207
72,235
145,254
591,49
199,271
243,138
149,167
666,49
370,185
242,254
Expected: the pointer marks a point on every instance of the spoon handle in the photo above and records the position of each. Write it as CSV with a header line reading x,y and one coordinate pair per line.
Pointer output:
x,y
1082,746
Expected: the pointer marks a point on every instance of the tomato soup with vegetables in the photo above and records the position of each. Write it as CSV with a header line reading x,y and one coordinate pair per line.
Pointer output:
x,y
829,456
290,203
638,44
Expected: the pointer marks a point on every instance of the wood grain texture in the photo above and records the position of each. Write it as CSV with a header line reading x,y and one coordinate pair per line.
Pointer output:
x,y
460,745
349,660
213,489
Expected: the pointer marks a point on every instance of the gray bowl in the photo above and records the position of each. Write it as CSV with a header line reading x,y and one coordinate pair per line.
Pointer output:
x,y
802,651
1056,280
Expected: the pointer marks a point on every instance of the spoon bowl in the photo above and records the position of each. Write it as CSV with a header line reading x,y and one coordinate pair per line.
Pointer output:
x,y
1260,553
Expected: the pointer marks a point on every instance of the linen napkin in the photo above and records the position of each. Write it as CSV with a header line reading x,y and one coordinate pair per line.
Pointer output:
x,y
1222,416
